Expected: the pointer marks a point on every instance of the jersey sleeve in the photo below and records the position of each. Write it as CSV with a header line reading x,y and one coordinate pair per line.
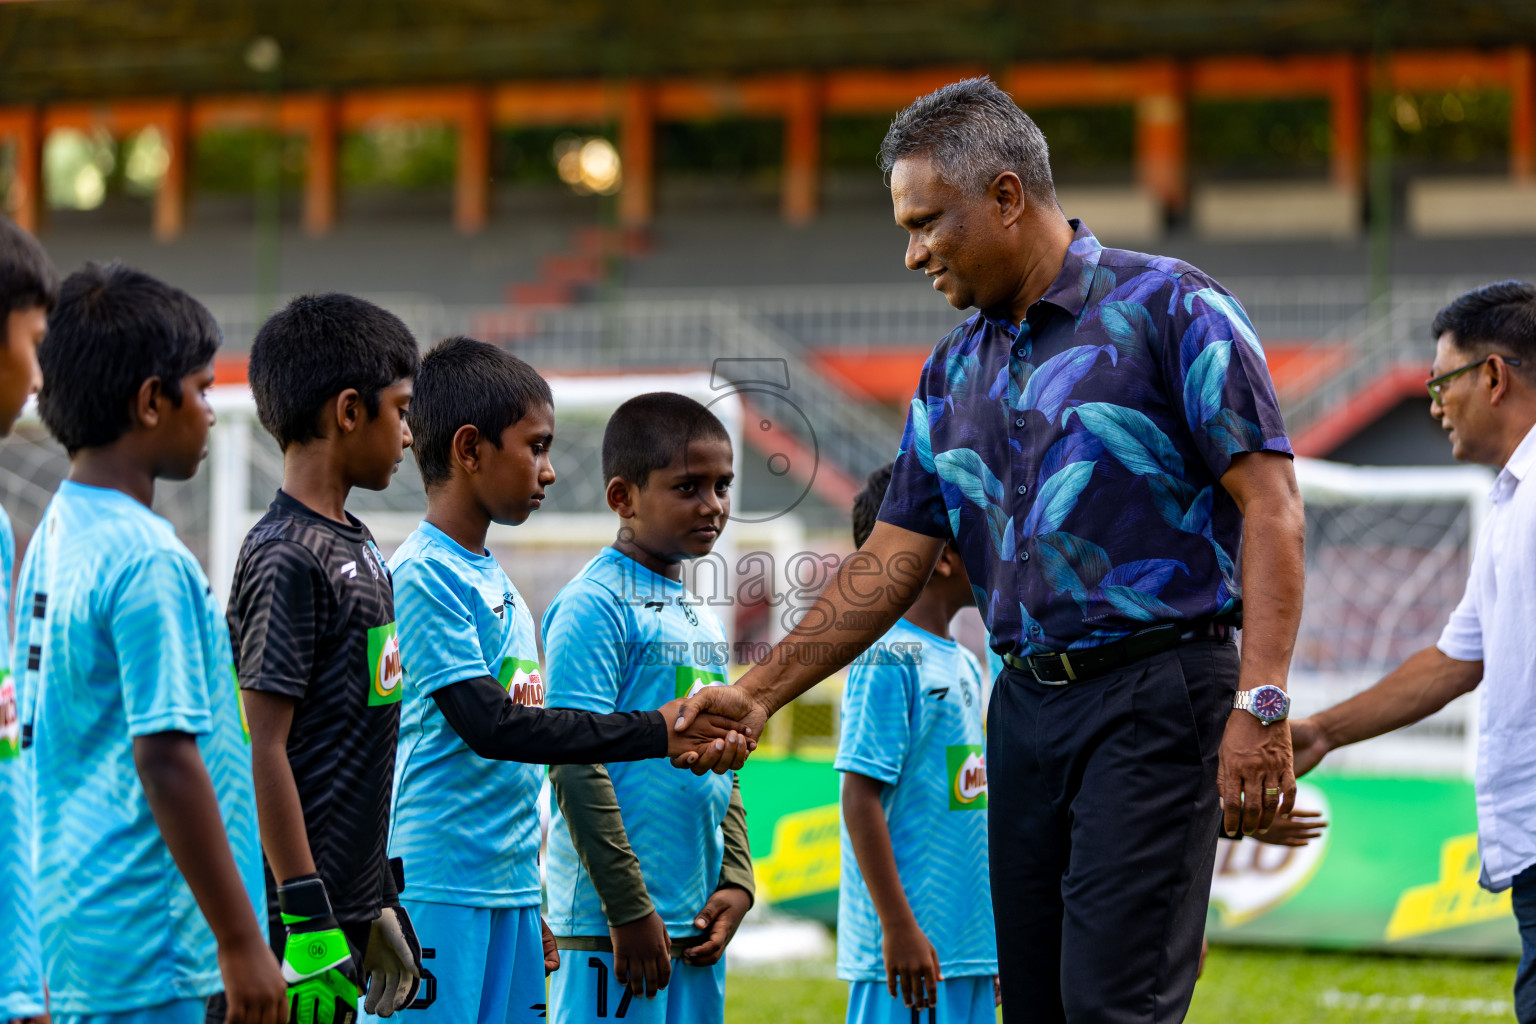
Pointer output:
x,y
439,644
876,729
585,633
278,605
913,500
1462,637
156,613
1218,376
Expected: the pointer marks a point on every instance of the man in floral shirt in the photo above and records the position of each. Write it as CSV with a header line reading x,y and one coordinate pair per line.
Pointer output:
x,y
1101,440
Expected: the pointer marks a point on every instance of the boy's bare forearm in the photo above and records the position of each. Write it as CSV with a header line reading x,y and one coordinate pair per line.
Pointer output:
x,y
181,797
870,835
284,838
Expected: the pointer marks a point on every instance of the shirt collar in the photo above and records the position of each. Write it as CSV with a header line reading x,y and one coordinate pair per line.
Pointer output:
x,y
1069,291
1524,457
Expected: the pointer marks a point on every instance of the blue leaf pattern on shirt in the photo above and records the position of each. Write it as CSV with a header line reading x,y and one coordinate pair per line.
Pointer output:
x,y
964,469
1051,384
1130,436
1127,323
1057,497
920,444
1232,313
1203,386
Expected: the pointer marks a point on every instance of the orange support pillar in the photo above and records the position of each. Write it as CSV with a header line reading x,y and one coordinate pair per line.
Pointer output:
x,y
1522,113
802,150
637,150
28,207
472,194
1160,136
320,172
171,197
1346,124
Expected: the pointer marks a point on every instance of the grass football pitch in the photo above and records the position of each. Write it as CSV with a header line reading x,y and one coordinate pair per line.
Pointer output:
x,y
1240,985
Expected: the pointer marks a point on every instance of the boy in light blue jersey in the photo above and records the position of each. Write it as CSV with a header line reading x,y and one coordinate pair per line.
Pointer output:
x,y
29,288
465,814
914,917
148,859
649,873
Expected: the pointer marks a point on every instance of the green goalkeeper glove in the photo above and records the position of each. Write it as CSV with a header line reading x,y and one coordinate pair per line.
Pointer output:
x,y
317,960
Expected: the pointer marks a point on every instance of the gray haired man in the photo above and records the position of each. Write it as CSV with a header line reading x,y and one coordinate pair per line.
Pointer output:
x,y
1101,442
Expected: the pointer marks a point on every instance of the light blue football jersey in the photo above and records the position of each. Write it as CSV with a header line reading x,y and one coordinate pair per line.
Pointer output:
x,y
913,719
21,968
125,639
467,827
621,638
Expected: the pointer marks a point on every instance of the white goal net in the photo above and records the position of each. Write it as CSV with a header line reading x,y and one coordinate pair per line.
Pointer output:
x,y
1388,551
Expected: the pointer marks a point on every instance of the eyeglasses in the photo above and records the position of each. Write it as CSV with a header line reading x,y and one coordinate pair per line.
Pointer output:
x,y
1436,385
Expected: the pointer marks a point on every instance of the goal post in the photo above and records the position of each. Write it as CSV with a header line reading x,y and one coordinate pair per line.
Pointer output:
x,y
1389,550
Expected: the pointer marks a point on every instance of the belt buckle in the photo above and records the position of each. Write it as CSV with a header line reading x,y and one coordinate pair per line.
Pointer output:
x,y
1071,675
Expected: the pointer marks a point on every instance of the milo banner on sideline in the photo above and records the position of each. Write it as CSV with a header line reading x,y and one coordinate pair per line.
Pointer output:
x,y
1396,869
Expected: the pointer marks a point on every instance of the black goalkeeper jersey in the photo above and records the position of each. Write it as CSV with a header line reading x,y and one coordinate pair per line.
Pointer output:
x,y
312,617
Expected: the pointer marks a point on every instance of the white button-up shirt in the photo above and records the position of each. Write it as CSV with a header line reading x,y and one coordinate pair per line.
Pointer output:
x,y
1496,623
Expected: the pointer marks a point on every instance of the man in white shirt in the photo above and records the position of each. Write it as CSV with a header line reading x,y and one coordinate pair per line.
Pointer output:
x,y
1483,392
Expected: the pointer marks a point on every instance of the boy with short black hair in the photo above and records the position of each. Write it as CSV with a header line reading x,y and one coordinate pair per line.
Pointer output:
x,y
643,858
914,914
313,620
148,859
464,816
29,288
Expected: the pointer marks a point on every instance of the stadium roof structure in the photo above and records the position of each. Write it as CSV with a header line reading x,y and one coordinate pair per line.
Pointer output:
x,y
74,49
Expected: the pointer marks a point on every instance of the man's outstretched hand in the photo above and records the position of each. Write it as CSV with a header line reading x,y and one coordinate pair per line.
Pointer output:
x,y
722,740
1309,744
732,702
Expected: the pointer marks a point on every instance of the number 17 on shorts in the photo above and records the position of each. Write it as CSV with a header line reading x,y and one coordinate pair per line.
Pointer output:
x,y
584,991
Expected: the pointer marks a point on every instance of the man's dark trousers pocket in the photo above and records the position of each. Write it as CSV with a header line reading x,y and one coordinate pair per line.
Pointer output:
x,y
1103,813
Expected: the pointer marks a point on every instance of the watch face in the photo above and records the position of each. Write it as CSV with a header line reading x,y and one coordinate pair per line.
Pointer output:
x,y
1269,702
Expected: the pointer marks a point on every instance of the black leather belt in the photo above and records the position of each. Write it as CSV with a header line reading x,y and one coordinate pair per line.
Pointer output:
x,y
1058,669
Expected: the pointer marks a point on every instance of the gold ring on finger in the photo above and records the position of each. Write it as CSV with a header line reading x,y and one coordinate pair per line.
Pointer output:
x,y
1271,792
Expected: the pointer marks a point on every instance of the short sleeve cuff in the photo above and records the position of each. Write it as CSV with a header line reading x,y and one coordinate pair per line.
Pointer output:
x,y
1459,647
916,521
194,722
865,766
445,676
268,682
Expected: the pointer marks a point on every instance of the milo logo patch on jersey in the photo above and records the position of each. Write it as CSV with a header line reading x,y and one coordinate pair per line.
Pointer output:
x,y
967,777
522,682
10,717
691,680
386,675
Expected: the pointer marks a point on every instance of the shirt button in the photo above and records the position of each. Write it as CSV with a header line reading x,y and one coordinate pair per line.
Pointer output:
x,y
1019,422
1024,557
1035,628
1023,488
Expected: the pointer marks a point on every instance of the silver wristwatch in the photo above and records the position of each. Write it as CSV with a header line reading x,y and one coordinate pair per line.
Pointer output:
x,y
1269,704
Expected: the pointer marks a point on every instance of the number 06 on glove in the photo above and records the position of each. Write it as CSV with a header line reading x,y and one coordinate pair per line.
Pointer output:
x,y
317,960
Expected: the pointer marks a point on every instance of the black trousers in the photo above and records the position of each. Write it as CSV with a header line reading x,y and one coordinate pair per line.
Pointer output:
x,y
1102,823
